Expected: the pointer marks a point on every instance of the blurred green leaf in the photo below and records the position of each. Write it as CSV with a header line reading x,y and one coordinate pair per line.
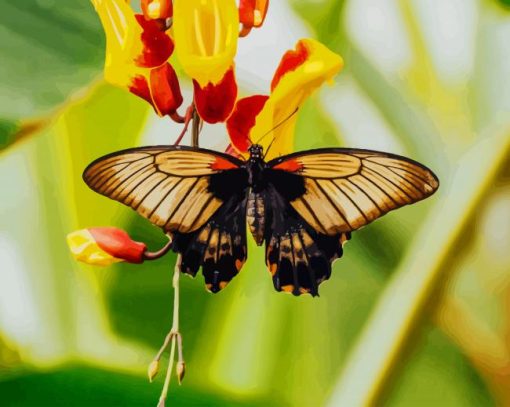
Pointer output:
x,y
49,48
8,129
505,3
85,386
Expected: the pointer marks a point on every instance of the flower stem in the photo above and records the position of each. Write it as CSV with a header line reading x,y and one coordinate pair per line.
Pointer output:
x,y
168,376
173,336
160,253
186,120
196,129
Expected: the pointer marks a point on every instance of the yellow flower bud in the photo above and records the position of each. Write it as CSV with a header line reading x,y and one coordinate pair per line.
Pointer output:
x,y
180,370
153,370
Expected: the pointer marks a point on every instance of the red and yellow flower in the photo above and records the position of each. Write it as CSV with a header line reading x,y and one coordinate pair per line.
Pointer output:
x,y
137,53
103,246
206,33
300,72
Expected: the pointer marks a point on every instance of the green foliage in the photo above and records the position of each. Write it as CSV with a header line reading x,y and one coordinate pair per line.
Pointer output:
x,y
83,386
50,49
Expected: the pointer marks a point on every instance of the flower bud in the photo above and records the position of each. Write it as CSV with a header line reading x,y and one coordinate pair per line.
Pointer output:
x,y
153,370
104,246
180,370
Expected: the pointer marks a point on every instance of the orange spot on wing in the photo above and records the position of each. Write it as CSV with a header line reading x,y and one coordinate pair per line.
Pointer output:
x,y
222,164
239,264
289,165
272,268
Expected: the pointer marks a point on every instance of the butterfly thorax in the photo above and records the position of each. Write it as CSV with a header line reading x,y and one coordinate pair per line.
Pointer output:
x,y
255,209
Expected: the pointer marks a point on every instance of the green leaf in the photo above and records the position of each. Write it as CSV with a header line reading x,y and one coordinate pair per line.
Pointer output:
x,y
49,48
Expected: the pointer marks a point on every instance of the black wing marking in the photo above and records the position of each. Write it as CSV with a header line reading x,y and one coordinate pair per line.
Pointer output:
x,y
219,247
298,257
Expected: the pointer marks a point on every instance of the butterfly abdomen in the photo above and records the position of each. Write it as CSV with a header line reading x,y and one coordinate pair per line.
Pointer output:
x,y
255,216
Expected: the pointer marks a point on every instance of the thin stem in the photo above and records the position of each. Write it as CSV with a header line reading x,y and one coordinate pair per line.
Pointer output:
x,y
174,336
157,254
175,283
196,129
186,120
168,376
176,117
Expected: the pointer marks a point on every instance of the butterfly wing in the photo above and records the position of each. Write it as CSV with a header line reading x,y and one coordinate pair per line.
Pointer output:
x,y
169,185
345,189
298,257
219,246
317,198
196,195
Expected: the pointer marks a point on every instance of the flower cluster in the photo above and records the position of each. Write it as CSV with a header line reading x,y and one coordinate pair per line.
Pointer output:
x,y
204,35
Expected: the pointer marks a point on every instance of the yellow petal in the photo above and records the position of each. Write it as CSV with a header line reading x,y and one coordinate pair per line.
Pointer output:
x,y
291,91
205,34
123,43
84,248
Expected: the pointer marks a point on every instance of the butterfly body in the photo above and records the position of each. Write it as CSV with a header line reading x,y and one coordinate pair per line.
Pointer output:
x,y
303,206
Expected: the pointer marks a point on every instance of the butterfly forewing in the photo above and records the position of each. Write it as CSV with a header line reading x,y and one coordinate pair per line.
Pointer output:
x,y
167,185
345,189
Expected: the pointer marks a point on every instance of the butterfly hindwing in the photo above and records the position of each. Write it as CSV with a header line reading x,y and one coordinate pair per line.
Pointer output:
x,y
169,185
219,247
298,257
345,189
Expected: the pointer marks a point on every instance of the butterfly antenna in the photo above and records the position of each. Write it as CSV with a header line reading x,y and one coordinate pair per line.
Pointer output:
x,y
278,125
274,138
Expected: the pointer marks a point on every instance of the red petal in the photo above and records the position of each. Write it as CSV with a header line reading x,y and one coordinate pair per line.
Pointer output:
x,y
165,9
140,88
242,120
117,243
290,61
215,102
157,45
165,90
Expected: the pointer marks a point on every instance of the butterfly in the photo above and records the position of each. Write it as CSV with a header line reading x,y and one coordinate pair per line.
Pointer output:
x,y
303,206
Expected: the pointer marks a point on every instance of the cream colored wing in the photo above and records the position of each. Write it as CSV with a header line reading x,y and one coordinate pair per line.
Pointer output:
x,y
346,189
167,185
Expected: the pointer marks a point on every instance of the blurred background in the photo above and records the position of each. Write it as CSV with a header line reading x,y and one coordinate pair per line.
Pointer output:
x,y
417,312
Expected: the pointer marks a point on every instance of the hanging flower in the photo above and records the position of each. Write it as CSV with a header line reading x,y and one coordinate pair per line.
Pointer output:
x,y
206,33
137,51
299,73
103,246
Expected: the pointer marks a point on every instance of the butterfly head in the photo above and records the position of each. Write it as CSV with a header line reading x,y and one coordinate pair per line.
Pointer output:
x,y
255,151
